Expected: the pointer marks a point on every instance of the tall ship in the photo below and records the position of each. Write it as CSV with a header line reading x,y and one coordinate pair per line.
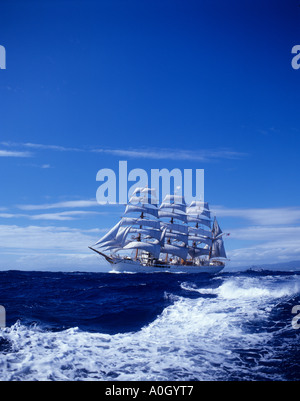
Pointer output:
x,y
167,237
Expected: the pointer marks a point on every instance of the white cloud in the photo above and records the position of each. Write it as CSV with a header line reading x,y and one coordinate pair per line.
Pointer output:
x,y
62,216
8,153
59,216
48,248
39,146
204,155
267,252
58,148
261,216
57,205
46,238
266,233
272,245
9,215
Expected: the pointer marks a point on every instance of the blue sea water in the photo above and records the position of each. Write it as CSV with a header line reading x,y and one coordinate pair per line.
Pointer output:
x,y
101,326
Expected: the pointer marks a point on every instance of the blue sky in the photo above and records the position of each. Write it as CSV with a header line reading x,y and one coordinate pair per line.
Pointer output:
x,y
161,84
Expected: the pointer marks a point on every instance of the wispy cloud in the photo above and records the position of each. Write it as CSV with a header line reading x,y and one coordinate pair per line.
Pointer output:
x,y
267,233
204,155
273,236
39,146
58,205
267,252
8,153
272,244
59,216
63,216
48,248
261,216
46,238
57,148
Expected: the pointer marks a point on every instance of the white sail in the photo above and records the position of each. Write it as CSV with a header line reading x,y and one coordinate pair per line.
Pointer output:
x,y
149,191
115,242
175,227
176,250
216,230
154,249
172,215
111,248
145,231
177,237
142,208
187,232
196,252
195,212
199,231
200,205
110,235
199,239
177,199
122,235
144,195
195,219
174,206
140,222
199,210
218,250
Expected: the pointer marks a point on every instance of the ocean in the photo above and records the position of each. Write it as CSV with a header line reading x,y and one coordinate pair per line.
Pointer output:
x,y
150,327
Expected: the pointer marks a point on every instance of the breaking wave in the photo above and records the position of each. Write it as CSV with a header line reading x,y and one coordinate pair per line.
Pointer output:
x,y
233,327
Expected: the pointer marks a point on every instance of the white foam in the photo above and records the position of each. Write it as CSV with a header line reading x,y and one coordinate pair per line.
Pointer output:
x,y
192,287
191,339
253,288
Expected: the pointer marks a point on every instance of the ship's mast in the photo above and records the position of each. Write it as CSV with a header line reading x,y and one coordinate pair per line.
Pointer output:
x,y
186,232
212,240
139,237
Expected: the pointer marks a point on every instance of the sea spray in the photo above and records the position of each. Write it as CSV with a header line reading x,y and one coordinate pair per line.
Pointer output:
x,y
135,327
